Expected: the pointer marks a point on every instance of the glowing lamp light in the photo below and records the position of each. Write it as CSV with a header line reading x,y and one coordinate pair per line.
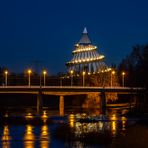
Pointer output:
x,y
84,73
29,73
44,72
123,75
6,77
113,72
83,77
84,48
71,72
6,72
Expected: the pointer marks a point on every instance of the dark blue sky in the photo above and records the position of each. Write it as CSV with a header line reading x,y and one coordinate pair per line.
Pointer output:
x,y
43,32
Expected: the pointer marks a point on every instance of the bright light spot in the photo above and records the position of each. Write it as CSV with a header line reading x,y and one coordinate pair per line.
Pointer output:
x,y
29,71
44,72
123,73
84,73
29,116
6,72
113,72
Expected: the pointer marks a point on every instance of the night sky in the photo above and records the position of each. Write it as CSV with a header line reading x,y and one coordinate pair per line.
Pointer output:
x,y
42,33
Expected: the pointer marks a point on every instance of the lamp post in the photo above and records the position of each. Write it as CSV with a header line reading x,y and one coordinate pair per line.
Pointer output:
x,y
71,74
6,77
29,74
60,81
111,80
44,76
123,75
83,77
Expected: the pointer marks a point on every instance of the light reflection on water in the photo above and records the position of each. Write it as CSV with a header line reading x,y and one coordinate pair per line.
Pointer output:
x,y
6,137
29,137
32,136
112,125
45,137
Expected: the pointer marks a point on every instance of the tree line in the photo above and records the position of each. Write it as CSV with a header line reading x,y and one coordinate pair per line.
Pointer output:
x,y
136,67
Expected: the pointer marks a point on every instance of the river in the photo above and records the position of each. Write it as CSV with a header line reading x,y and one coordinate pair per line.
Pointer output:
x,y
26,129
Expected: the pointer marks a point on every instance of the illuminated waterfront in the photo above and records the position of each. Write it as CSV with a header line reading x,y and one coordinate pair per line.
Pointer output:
x,y
42,134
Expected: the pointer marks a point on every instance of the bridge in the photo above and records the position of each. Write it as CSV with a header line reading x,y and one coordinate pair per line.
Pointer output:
x,y
62,91
67,90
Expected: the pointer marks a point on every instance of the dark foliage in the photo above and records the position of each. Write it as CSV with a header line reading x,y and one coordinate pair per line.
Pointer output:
x,y
136,67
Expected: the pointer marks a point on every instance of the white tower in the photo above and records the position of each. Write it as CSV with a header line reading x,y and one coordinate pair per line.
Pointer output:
x,y
86,58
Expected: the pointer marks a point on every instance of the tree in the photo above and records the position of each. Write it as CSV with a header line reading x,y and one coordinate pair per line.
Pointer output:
x,y
136,66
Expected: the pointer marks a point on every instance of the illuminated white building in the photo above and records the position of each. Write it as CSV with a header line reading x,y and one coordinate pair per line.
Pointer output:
x,y
86,58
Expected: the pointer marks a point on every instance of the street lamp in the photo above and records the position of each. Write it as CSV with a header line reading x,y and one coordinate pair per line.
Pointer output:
x,y
6,77
61,81
71,74
29,74
123,75
111,80
83,77
44,76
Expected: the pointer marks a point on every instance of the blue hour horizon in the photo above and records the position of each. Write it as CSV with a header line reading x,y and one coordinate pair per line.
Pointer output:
x,y
43,34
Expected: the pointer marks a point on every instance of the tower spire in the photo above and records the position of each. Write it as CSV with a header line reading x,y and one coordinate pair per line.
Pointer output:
x,y
84,39
85,30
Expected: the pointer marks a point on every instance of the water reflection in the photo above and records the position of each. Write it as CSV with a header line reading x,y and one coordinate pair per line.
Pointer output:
x,y
29,116
6,137
100,127
44,116
71,120
111,125
38,135
124,120
29,137
45,137
114,125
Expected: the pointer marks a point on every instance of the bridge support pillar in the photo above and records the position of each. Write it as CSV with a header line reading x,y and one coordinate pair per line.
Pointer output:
x,y
103,102
61,105
39,103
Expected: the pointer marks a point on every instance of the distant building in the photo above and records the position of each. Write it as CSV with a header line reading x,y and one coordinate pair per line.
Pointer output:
x,y
86,58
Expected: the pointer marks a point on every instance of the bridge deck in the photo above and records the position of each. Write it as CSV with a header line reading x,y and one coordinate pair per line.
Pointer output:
x,y
68,90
